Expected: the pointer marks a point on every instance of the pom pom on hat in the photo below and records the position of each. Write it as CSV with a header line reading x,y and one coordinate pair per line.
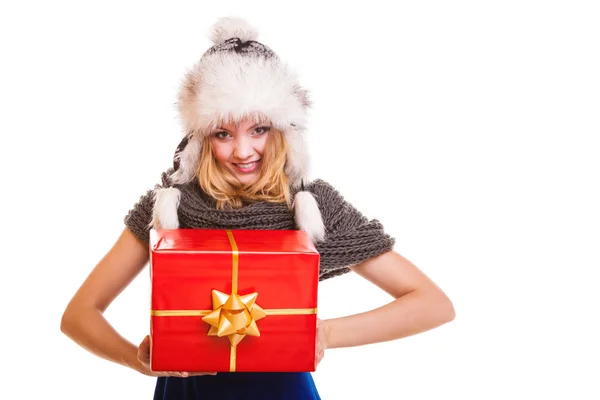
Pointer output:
x,y
231,27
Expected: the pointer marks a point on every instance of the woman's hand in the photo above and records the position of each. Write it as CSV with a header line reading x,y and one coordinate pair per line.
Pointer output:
x,y
321,341
144,357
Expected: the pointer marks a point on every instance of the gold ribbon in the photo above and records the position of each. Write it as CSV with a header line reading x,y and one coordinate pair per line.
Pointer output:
x,y
233,315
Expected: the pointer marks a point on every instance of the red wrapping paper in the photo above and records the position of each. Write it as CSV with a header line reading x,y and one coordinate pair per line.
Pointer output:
x,y
186,265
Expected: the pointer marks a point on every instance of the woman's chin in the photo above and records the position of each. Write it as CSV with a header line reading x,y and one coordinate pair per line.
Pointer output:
x,y
247,179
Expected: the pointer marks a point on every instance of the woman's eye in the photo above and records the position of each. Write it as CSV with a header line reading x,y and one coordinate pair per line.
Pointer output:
x,y
221,135
262,129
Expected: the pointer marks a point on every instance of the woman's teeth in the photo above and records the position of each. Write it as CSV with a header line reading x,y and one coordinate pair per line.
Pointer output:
x,y
247,167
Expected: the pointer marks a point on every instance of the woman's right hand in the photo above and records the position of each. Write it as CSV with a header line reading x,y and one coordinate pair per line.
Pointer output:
x,y
143,356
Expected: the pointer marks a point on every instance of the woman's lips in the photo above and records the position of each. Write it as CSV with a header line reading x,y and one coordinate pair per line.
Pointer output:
x,y
247,167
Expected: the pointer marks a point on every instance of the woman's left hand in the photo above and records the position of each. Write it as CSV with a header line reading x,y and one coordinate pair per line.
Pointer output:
x,y
321,341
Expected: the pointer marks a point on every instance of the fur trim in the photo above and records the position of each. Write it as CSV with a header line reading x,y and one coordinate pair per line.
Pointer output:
x,y
229,87
164,213
230,27
308,217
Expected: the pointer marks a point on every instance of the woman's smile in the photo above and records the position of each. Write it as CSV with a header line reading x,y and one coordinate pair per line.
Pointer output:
x,y
248,166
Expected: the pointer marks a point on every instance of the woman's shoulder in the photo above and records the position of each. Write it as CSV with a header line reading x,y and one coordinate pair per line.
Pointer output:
x,y
332,204
326,194
322,187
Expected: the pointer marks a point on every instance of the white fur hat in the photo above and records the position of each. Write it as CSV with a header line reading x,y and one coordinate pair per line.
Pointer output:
x,y
238,78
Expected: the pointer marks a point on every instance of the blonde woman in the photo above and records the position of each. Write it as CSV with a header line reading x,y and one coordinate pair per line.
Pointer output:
x,y
242,164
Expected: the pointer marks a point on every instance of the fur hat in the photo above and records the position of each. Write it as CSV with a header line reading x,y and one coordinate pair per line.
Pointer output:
x,y
238,78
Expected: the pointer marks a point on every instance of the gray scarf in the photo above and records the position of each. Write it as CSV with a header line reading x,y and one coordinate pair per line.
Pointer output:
x,y
350,238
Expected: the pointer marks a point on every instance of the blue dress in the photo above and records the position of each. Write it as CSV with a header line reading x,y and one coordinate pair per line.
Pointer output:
x,y
239,385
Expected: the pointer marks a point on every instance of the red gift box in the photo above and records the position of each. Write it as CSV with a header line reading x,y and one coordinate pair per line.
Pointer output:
x,y
233,300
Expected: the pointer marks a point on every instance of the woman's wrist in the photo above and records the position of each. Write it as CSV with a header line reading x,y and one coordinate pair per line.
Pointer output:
x,y
131,360
327,333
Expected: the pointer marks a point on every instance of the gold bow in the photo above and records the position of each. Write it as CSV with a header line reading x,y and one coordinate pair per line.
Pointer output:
x,y
234,316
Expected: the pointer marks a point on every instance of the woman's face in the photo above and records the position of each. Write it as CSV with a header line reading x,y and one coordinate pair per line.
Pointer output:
x,y
240,148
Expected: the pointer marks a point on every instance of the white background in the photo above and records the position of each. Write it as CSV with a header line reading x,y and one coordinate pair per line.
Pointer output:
x,y
468,128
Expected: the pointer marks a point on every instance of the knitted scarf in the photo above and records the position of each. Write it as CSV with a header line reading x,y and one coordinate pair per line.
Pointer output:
x,y
350,238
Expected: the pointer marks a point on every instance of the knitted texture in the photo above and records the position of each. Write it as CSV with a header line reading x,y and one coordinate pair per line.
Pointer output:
x,y
350,238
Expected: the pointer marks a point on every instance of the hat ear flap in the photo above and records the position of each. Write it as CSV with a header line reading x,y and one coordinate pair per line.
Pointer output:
x,y
180,147
167,199
186,159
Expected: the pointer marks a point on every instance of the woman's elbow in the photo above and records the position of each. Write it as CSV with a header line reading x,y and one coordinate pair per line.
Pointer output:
x,y
67,321
444,308
71,318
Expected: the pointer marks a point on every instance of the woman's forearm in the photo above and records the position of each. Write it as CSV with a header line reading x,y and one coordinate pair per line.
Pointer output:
x,y
88,328
408,315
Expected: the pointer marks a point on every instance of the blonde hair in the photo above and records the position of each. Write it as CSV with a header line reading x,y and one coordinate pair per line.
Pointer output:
x,y
272,184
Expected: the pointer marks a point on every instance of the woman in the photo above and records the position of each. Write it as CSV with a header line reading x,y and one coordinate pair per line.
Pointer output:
x,y
243,165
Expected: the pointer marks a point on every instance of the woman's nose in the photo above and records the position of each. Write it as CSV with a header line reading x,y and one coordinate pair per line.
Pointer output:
x,y
243,149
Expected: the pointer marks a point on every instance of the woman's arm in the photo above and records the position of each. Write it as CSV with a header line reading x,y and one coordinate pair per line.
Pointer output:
x,y
419,305
83,319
